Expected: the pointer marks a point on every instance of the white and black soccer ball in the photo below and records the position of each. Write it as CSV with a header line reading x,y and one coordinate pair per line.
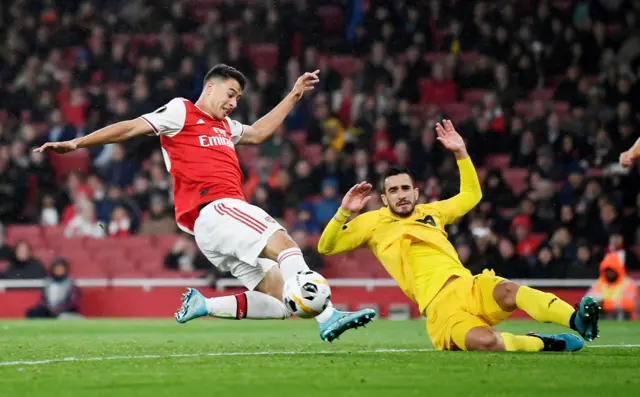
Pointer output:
x,y
306,294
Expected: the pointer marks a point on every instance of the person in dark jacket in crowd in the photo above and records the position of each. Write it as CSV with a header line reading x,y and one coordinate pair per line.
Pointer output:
x,y
59,295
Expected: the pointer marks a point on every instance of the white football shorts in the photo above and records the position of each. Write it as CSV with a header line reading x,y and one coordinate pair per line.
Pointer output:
x,y
232,233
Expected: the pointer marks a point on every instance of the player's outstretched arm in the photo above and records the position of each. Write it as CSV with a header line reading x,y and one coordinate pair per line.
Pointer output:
x,y
266,126
338,236
627,158
113,133
470,190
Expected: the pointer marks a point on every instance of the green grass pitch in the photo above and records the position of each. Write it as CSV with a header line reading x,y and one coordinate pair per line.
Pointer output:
x,y
210,357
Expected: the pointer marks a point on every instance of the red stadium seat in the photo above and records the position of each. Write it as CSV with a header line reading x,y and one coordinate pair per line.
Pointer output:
x,y
313,153
470,96
332,20
44,255
29,233
166,242
344,65
299,138
432,57
437,92
263,56
515,178
470,57
524,108
457,112
497,161
247,154
561,109
77,161
545,94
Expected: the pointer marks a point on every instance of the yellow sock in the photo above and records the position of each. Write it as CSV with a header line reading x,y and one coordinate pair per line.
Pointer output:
x,y
521,343
544,307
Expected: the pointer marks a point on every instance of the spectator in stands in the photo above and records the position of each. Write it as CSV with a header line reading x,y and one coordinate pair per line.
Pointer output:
x,y
547,266
496,190
120,223
617,246
311,256
120,171
85,223
585,265
305,219
509,264
5,250
49,213
60,296
615,290
23,265
158,221
185,257
324,209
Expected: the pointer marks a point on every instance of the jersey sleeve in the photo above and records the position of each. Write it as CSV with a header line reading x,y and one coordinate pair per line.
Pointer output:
x,y
169,119
341,236
237,130
470,194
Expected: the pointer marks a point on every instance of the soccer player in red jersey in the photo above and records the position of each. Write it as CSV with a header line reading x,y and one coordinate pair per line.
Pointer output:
x,y
198,145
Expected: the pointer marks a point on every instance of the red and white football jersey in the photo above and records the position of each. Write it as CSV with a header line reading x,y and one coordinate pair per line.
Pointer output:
x,y
199,151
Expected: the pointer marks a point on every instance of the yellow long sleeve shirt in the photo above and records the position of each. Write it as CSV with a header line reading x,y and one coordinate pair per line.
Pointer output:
x,y
414,250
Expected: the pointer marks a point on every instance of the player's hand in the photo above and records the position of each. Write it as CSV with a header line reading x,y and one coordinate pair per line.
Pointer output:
x,y
449,137
357,197
305,83
57,147
626,159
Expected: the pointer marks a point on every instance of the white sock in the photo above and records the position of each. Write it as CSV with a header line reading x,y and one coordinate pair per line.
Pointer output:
x,y
250,304
291,262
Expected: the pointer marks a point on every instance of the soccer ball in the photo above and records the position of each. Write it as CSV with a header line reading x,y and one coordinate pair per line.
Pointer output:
x,y
306,294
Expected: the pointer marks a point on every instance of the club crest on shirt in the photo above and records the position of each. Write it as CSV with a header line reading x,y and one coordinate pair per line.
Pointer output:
x,y
270,219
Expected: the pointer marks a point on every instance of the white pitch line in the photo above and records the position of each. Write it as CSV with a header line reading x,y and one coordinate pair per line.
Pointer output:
x,y
218,354
228,354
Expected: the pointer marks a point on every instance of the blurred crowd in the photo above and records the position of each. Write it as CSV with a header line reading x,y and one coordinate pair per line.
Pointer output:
x,y
70,67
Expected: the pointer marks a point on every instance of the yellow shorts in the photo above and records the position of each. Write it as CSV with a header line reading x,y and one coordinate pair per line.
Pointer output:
x,y
463,304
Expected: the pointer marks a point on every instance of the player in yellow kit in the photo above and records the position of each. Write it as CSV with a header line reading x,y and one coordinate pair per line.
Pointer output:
x,y
411,243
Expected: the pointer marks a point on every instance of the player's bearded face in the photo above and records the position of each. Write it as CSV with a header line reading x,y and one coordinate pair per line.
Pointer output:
x,y
400,195
223,97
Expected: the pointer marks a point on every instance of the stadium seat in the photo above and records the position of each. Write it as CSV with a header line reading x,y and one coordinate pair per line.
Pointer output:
x,y
497,161
432,57
44,255
30,233
247,154
299,138
332,20
263,56
313,153
545,94
166,242
344,65
78,161
438,93
457,112
561,109
515,178
470,57
523,108
470,96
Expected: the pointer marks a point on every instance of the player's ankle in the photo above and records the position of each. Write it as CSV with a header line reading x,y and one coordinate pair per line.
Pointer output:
x,y
326,314
572,321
